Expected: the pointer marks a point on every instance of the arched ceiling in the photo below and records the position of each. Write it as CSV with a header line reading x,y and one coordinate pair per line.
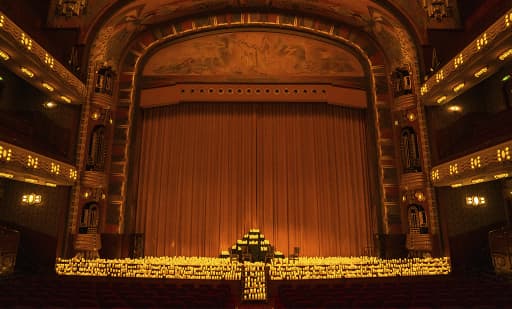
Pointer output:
x,y
109,25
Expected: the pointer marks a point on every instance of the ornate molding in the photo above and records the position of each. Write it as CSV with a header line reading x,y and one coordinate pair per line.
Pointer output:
x,y
28,166
21,45
412,181
404,102
485,165
93,179
482,53
102,99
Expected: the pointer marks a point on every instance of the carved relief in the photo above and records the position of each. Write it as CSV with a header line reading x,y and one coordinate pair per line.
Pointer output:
x,y
409,151
259,54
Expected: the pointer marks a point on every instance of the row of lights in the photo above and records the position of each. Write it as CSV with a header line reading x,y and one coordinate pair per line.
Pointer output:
x,y
502,155
477,74
32,162
280,269
31,199
29,73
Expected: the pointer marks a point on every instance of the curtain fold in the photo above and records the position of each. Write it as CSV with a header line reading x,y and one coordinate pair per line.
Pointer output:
x,y
211,172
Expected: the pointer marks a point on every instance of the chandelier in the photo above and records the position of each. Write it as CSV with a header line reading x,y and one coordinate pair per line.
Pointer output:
x,y
71,7
436,9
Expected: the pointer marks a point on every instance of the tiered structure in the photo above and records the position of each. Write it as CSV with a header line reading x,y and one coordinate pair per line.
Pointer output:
x,y
254,247
416,203
97,132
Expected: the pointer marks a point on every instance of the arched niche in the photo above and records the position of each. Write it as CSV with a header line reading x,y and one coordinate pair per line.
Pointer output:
x,y
97,150
417,219
409,151
89,219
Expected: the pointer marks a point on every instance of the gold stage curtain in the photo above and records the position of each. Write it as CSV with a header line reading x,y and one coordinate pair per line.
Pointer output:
x,y
209,172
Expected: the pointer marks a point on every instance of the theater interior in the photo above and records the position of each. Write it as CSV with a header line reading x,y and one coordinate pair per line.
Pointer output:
x,y
256,153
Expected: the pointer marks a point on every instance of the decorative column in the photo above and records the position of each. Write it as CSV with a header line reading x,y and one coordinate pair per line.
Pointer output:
x,y
92,205
416,195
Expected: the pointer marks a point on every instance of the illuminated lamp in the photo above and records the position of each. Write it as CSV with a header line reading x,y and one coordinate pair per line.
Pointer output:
x,y
5,56
31,180
51,184
49,104
95,115
441,99
478,180
27,72
411,116
505,78
458,87
481,72
31,199
48,87
502,175
475,201
455,108
65,99
6,175
456,185
505,55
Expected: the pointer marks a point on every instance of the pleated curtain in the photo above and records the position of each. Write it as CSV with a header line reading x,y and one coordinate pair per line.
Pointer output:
x,y
209,172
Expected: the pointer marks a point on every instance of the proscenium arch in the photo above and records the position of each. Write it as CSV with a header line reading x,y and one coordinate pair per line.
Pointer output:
x,y
129,95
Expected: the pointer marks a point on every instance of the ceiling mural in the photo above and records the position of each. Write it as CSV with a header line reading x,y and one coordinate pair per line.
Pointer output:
x,y
254,54
368,16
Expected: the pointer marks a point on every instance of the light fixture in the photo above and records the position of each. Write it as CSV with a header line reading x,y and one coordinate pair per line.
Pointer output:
x,y
48,87
441,99
456,185
481,72
65,99
475,200
411,116
505,78
27,72
6,175
95,115
31,199
436,9
458,87
502,175
505,55
5,56
71,7
49,104
31,180
478,180
51,184
455,108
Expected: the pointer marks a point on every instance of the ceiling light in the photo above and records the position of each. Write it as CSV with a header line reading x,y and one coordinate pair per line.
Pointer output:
x,y
31,180
51,184
481,72
48,87
6,175
27,72
456,185
441,99
455,108
65,99
50,104
502,175
505,55
478,180
458,87
5,56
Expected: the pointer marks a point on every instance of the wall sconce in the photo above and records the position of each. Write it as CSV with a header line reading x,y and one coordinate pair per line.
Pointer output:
x,y
475,201
31,199
71,7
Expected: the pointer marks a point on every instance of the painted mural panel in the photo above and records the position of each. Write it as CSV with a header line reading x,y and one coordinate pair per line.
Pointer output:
x,y
254,55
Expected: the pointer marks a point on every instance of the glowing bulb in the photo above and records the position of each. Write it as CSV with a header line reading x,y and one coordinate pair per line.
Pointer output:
x,y
50,104
441,99
481,72
5,56
48,87
505,55
458,87
27,72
